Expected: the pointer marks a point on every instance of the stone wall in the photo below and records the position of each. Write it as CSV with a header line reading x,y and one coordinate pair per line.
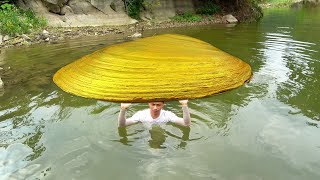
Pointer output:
x,y
76,13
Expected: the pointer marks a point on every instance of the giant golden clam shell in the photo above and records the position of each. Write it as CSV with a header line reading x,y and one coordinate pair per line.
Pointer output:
x,y
158,68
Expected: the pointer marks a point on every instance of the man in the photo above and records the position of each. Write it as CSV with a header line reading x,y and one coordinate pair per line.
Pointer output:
x,y
155,115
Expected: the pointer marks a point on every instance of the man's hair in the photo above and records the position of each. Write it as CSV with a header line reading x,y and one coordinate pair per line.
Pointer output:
x,y
156,101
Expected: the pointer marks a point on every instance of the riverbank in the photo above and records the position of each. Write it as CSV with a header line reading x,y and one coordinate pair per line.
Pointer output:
x,y
54,35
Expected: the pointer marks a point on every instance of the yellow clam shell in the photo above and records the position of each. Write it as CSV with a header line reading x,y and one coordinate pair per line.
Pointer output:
x,y
158,68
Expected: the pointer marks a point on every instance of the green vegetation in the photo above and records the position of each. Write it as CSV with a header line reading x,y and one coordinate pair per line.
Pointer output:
x,y
256,10
209,7
15,21
277,3
7,1
134,7
243,9
187,17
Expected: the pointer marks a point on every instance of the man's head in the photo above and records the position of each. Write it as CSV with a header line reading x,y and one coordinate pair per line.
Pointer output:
x,y
156,106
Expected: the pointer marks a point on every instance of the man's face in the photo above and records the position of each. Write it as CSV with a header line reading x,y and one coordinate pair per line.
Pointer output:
x,y
156,106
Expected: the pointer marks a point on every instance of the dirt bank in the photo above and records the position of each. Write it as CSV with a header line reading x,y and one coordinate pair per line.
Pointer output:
x,y
56,34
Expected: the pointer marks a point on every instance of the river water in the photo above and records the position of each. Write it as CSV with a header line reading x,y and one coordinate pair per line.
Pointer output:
x,y
266,129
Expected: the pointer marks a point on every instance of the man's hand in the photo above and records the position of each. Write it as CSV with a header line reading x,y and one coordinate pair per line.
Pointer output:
x,y
124,106
183,102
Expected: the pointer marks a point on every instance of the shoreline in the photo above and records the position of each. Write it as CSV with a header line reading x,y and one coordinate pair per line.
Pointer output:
x,y
53,35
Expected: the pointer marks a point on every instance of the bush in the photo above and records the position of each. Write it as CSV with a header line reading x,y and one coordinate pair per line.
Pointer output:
x,y
186,17
7,1
134,7
256,10
208,8
14,21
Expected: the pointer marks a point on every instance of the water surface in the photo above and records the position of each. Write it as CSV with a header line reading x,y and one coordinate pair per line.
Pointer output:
x,y
266,129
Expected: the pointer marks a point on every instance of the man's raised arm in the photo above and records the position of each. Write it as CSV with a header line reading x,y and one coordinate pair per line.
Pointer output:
x,y
122,114
186,120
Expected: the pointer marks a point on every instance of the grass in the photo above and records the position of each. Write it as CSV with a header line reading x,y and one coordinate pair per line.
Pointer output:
x,y
14,21
187,17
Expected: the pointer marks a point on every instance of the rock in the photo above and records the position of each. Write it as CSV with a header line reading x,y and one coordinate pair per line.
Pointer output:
x,y
81,7
230,19
135,35
109,6
60,38
146,16
52,1
47,40
0,39
66,10
53,8
110,29
17,41
117,6
118,31
26,37
55,5
6,38
63,18
45,32
1,83
79,13
67,31
113,6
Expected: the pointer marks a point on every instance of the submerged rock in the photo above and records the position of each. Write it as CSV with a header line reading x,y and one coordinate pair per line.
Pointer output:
x,y
230,19
135,35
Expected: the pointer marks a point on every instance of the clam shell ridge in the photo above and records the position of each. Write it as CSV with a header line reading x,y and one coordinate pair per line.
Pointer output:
x,y
158,68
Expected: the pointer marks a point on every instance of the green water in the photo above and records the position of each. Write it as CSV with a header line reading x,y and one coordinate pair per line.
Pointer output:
x,y
266,129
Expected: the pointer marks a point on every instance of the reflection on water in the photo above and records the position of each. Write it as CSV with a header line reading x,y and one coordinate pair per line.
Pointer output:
x,y
291,67
158,135
266,129
13,159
